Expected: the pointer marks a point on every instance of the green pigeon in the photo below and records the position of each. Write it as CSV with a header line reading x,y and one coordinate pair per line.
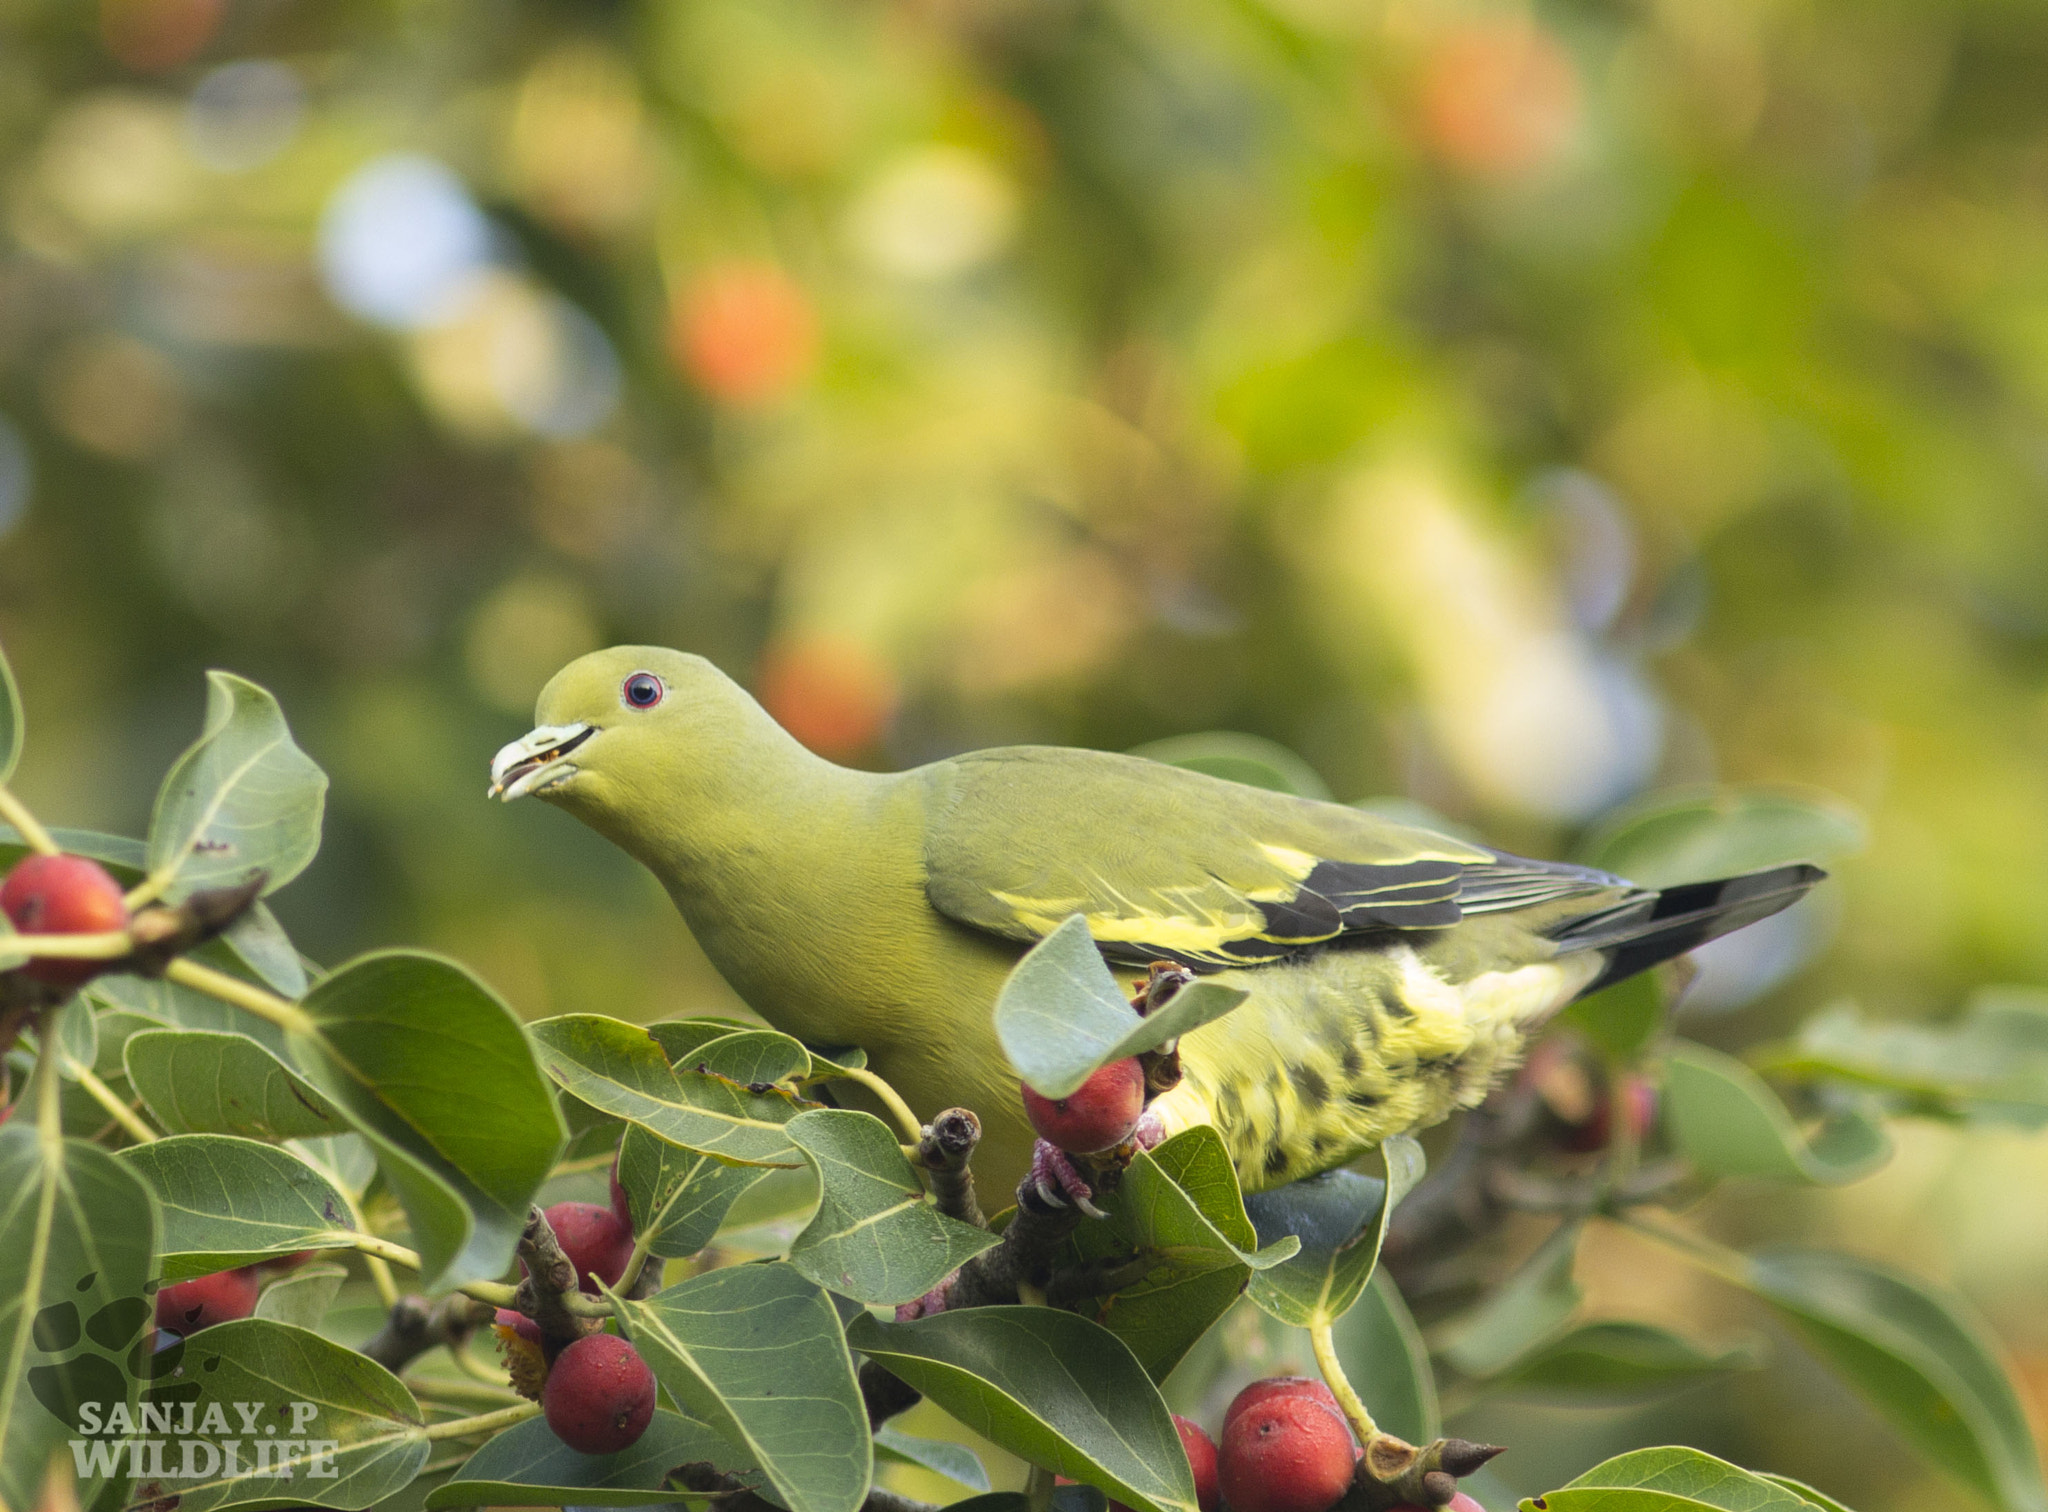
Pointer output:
x,y
1392,973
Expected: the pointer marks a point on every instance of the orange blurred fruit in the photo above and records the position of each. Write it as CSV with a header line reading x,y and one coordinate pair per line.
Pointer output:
x,y
833,694
745,333
151,36
1498,98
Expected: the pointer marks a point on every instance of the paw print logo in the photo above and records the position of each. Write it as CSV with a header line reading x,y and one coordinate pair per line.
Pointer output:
x,y
98,1355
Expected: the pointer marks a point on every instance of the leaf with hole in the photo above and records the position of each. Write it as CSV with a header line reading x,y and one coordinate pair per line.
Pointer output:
x,y
229,1202
1060,1014
197,1081
434,1070
352,1434
1341,1219
1051,1387
77,1250
1931,1370
875,1237
243,797
620,1069
757,1352
1728,1122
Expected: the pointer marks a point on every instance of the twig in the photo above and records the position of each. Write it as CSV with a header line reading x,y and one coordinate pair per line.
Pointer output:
x,y
944,1152
32,833
913,1131
105,1096
415,1326
489,1422
551,1282
287,1015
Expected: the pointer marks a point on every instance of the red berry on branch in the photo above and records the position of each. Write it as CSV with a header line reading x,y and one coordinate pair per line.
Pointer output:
x,y
1279,1386
62,895
599,1396
1099,1115
1201,1451
597,1243
203,1301
1288,1453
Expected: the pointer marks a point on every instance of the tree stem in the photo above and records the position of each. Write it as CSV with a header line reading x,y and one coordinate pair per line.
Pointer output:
x,y
16,813
488,1422
1324,1342
105,1096
906,1121
286,1015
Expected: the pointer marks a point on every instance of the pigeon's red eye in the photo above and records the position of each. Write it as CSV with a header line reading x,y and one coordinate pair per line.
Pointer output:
x,y
643,690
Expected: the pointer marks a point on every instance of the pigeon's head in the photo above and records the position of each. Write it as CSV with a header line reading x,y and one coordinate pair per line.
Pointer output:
x,y
624,717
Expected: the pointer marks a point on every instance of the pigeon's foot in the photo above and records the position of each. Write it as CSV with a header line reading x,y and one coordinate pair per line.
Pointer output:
x,y
1057,1182
930,1304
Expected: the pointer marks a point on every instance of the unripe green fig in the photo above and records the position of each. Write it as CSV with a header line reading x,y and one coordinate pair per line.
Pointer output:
x,y
1288,1453
1098,1115
203,1301
599,1396
62,895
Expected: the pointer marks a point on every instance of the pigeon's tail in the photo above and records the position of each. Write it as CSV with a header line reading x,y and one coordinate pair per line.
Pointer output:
x,y
1653,927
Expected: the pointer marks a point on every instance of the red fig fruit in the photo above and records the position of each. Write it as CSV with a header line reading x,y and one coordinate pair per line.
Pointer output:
x,y
1098,1115
599,1397
62,895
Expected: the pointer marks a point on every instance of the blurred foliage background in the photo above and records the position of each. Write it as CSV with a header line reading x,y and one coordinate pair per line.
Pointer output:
x,y
1516,409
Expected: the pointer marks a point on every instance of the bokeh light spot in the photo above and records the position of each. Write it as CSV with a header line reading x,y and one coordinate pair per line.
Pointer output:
x,y
241,115
114,395
934,213
745,333
524,633
1499,98
402,244
830,692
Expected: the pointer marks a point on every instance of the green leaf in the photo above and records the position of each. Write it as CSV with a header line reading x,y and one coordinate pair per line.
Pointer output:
x,y
527,1466
119,854
1622,1019
229,1202
1179,1205
77,1252
956,1462
1992,1063
1250,759
436,1072
263,946
678,1037
11,721
1623,1361
1049,1386
1382,1351
756,1351
1530,1307
78,1036
751,1057
1667,1480
875,1237
1060,1015
202,1082
1930,1369
1341,1219
341,1410
176,1007
1820,1499
1698,835
1728,1123
677,1195
243,796
619,1068
303,1297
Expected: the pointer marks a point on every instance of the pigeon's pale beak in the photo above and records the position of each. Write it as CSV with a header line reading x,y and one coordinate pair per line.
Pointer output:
x,y
536,761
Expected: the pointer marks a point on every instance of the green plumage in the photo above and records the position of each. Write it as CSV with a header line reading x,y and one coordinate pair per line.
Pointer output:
x,y
1392,972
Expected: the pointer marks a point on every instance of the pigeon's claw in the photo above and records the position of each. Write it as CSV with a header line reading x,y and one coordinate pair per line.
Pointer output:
x,y
1150,1132
1057,1182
